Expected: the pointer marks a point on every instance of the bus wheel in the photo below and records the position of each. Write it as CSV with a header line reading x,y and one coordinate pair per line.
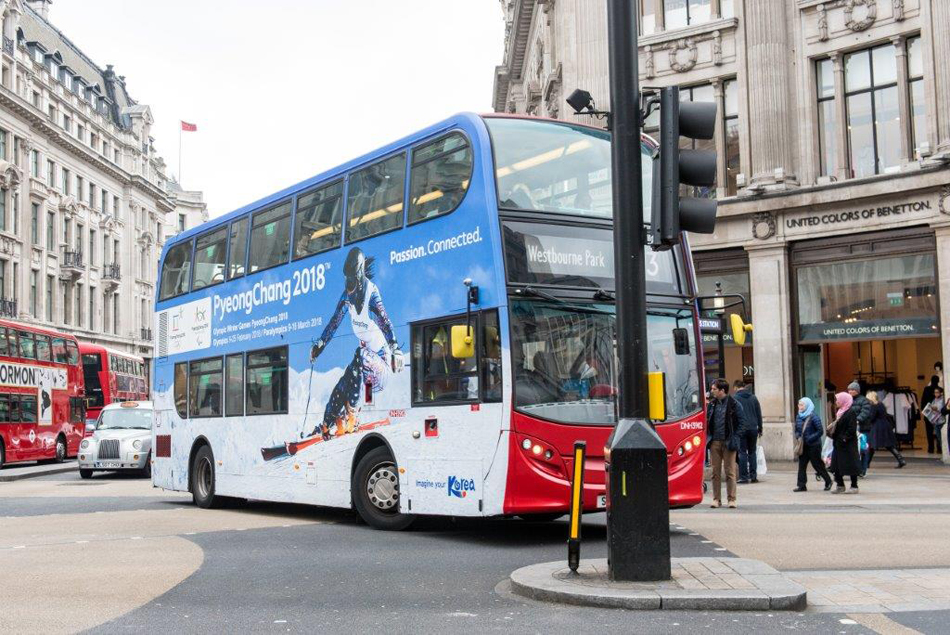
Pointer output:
x,y
376,491
60,450
85,473
202,479
147,470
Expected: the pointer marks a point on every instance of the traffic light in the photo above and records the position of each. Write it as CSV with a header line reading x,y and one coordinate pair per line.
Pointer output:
x,y
672,213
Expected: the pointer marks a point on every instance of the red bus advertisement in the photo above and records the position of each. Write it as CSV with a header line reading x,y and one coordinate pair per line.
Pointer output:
x,y
41,394
111,376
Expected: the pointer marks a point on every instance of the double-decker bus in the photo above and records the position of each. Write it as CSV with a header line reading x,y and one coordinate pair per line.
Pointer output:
x,y
42,414
305,341
111,376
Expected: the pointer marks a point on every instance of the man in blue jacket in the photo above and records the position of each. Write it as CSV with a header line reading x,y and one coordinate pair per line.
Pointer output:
x,y
750,432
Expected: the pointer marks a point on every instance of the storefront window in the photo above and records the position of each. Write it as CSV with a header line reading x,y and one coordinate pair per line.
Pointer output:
x,y
886,297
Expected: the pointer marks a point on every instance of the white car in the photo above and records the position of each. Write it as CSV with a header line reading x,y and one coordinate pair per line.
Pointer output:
x,y
121,440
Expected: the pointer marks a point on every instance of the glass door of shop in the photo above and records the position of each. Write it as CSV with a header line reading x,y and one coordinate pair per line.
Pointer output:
x,y
812,378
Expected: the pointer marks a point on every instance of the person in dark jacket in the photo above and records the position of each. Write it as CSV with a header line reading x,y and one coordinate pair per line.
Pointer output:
x,y
750,433
725,419
882,434
862,407
808,429
846,460
925,398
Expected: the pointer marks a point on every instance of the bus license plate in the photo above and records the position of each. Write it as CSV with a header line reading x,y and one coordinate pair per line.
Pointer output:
x,y
602,501
108,466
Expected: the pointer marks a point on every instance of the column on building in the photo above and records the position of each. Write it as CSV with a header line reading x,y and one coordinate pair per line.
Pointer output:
x,y
770,117
942,234
772,345
940,25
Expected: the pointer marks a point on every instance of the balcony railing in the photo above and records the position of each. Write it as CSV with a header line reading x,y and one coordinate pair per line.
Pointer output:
x,y
147,334
72,259
7,45
111,272
8,308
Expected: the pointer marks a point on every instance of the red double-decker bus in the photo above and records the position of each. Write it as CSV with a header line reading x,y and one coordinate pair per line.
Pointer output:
x,y
42,410
110,376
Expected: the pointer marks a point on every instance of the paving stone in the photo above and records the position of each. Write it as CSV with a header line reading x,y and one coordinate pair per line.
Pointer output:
x,y
714,600
745,566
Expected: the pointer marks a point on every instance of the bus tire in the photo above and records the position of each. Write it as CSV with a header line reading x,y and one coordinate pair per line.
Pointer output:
x,y
147,470
376,491
202,479
85,474
61,449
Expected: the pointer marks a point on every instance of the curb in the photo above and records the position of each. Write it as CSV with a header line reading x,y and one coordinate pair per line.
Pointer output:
x,y
33,471
553,582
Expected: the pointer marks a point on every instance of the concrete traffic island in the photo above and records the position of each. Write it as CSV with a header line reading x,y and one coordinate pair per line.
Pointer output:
x,y
733,584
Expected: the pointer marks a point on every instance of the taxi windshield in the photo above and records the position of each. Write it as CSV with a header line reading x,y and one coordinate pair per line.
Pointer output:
x,y
125,418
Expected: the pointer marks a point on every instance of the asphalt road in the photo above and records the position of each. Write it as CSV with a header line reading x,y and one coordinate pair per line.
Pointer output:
x,y
164,566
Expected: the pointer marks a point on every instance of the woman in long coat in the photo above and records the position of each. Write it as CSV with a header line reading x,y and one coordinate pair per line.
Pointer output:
x,y
846,460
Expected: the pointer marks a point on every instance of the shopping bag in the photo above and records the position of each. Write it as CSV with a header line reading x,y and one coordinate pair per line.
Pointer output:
x,y
826,451
761,468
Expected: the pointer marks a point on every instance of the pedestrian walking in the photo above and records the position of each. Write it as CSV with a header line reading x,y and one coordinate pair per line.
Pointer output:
x,y
863,412
845,461
808,433
936,413
725,418
925,398
882,432
751,431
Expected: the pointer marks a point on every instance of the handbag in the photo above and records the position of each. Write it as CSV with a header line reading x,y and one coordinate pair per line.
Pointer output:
x,y
830,428
799,446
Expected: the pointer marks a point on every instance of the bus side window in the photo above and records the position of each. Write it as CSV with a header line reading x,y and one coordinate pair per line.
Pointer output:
x,y
267,382
72,352
237,253
234,386
270,235
318,220
181,389
27,345
210,250
375,198
3,340
205,379
440,176
437,375
5,408
176,271
43,348
28,409
59,350
491,357
14,343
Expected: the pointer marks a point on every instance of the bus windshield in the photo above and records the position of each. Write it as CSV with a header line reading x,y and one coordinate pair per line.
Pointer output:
x,y
554,167
565,364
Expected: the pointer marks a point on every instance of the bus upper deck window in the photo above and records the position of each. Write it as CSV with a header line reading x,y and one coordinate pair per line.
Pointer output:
x,y
59,350
176,270
72,352
270,235
210,251
3,340
43,348
237,254
374,201
27,345
441,173
317,225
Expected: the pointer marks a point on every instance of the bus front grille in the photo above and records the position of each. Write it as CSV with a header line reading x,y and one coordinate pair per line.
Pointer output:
x,y
109,449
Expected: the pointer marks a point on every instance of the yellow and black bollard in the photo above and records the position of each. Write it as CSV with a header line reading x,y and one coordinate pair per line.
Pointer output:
x,y
577,507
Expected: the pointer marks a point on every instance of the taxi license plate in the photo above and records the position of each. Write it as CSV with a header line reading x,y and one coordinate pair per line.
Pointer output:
x,y
602,501
107,466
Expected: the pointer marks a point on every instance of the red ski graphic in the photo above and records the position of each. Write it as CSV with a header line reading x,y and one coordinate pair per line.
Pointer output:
x,y
291,448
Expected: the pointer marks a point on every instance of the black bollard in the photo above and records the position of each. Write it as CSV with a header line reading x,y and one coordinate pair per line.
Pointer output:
x,y
638,508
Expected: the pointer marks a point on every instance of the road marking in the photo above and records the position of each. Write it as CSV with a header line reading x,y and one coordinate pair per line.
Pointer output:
x,y
135,538
720,548
706,542
879,623
81,542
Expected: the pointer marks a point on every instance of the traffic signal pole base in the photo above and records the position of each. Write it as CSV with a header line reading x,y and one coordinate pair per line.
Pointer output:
x,y
638,507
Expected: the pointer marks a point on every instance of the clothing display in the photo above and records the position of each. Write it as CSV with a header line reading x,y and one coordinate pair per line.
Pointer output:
x,y
903,406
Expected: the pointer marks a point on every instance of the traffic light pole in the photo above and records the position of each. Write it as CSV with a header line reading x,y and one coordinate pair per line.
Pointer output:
x,y
638,541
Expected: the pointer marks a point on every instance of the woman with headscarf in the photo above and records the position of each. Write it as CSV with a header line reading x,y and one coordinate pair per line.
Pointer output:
x,y
808,444
846,460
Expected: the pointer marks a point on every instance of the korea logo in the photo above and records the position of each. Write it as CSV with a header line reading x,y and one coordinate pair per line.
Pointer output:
x,y
460,487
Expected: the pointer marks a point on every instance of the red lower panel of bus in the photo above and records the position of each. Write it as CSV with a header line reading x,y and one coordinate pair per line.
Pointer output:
x,y
539,474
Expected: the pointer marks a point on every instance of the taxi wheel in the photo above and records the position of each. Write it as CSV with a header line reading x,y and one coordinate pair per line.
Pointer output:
x,y
85,473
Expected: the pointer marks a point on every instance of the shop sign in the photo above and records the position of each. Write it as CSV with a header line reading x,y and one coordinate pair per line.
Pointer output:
x,y
859,217
710,325
868,329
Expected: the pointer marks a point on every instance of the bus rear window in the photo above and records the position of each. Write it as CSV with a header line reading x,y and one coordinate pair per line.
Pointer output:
x,y
270,235
374,200
176,271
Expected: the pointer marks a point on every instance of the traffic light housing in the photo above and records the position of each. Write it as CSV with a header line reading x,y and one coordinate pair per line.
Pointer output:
x,y
672,213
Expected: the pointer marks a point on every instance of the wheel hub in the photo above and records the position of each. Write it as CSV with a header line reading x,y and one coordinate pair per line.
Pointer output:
x,y
382,488
204,477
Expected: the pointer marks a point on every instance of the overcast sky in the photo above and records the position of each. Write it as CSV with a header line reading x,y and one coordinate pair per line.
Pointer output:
x,y
284,89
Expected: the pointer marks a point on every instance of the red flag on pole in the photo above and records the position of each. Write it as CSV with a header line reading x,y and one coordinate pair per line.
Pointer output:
x,y
189,127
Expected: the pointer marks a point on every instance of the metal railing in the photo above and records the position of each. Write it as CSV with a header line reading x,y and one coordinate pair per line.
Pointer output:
x,y
72,259
7,45
111,271
8,308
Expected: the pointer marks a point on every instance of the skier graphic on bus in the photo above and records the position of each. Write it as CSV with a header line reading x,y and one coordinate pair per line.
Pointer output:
x,y
376,358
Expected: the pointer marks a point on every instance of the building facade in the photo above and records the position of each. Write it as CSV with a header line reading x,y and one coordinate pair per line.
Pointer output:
x,y
190,209
84,202
833,142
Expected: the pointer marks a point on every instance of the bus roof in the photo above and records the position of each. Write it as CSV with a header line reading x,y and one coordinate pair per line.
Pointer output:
x,y
37,329
88,347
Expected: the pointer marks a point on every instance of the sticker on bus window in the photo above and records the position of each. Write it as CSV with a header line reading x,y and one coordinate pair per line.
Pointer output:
x,y
269,228
205,380
265,377
209,252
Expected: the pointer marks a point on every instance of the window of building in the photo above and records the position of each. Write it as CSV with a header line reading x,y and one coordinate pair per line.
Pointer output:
x,y
267,382
3,145
35,163
67,123
116,209
181,223
79,304
680,13
92,308
181,389
874,128
80,187
731,129
205,380
104,196
827,117
50,231
66,224
270,235
3,209
238,254
440,175
915,77
375,198
115,313
66,186
50,173
92,246
234,391
92,195
176,270
33,292
81,132
319,219
67,305
210,252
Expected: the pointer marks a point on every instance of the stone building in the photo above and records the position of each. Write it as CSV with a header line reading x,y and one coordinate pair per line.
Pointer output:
x,y
190,209
83,194
833,141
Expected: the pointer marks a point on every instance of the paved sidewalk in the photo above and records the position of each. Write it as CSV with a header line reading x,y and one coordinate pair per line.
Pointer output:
x,y
880,591
16,472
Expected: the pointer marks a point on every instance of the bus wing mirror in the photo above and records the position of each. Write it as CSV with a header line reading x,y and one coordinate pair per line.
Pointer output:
x,y
656,383
463,341
681,341
739,329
